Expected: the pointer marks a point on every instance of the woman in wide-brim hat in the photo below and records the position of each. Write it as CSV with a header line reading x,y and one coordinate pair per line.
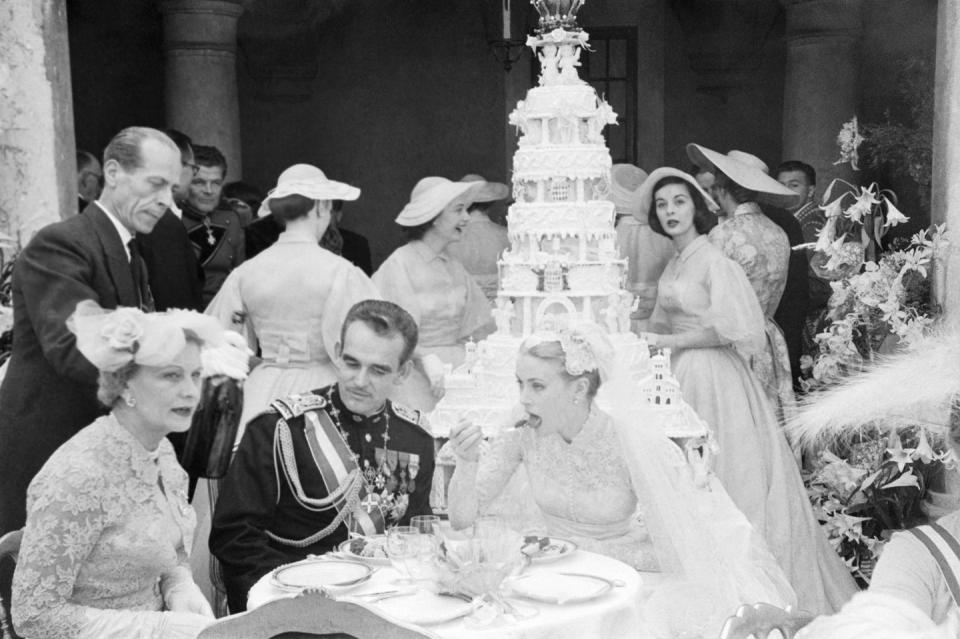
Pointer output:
x,y
761,247
647,253
484,240
277,300
708,315
447,304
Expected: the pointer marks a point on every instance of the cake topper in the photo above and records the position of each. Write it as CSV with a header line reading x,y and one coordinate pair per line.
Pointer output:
x,y
557,14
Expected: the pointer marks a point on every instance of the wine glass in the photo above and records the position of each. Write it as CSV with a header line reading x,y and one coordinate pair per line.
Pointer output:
x,y
401,548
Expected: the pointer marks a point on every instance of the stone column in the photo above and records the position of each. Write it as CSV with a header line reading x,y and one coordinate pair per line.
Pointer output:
x,y
945,196
38,170
820,88
651,92
200,45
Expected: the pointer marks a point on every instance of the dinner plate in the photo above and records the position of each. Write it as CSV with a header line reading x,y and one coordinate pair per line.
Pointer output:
x,y
320,573
374,546
425,608
559,587
544,549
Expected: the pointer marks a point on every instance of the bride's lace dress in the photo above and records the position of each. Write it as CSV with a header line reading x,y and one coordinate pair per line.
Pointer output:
x,y
582,488
107,523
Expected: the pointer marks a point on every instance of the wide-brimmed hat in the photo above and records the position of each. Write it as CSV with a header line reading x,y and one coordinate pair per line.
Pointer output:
x,y
645,192
489,191
748,171
429,197
625,181
308,181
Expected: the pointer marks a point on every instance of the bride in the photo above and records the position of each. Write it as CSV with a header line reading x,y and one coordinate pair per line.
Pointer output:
x,y
592,471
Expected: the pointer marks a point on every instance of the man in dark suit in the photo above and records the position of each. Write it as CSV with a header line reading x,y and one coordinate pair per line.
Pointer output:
x,y
49,392
176,279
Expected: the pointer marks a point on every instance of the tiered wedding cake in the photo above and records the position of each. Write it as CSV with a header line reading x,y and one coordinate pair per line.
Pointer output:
x,y
563,266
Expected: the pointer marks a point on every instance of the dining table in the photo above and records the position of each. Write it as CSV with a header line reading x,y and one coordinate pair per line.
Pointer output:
x,y
614,610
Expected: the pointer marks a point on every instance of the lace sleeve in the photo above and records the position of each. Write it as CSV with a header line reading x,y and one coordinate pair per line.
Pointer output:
x,y
67,514
475,485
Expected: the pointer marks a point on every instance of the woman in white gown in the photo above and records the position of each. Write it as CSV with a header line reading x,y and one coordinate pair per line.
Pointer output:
x,y
290,300
445,301
589,472
708,315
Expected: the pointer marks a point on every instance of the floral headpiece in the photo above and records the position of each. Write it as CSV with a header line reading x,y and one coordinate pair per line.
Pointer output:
x,y
111,339
585,347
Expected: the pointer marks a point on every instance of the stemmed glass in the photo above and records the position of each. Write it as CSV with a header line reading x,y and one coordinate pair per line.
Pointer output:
x,y
411,552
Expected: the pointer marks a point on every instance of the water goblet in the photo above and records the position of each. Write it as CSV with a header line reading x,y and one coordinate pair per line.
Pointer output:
x,y
401,548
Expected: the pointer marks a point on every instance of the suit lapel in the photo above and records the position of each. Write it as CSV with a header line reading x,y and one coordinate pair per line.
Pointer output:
x,y
118,266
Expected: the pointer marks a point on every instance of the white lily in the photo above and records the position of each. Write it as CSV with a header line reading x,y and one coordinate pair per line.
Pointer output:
x,y
894,216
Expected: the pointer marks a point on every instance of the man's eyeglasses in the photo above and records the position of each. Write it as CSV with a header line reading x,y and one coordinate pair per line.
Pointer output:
x,y
193,167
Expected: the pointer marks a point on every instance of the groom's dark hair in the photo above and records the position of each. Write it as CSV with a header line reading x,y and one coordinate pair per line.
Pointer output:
x,y
385,319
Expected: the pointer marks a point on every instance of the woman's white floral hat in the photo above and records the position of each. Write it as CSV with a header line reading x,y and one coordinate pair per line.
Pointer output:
x,y
111,339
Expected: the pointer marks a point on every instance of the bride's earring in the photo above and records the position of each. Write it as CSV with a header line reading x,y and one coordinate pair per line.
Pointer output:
x,y
129,400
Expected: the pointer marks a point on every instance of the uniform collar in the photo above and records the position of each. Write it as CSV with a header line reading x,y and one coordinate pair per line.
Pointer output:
x,y
348,416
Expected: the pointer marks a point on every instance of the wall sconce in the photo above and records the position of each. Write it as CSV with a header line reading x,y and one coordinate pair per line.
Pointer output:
x,y
505,48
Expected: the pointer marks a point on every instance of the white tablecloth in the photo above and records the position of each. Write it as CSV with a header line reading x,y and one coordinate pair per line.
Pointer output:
x,y
613,615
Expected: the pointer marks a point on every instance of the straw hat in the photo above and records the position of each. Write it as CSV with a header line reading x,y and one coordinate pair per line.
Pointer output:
x,y
428,199
310,182
748,171
625,182
645,192
490,191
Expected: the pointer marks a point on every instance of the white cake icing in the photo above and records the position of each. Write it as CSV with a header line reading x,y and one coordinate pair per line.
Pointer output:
x,y
563,266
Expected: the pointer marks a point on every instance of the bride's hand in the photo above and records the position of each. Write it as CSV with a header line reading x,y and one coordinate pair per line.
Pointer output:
x,y
465,438
656,340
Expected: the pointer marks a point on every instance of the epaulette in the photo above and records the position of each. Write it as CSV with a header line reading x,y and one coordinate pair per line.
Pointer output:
x,y
411,415
296,405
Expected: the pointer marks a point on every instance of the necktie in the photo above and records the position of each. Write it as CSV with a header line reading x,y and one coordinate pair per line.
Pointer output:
x,y
137,270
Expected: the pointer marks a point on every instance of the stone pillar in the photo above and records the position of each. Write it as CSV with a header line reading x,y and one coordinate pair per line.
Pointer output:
x,y
945,196
820,88
651,92
38,170
200,45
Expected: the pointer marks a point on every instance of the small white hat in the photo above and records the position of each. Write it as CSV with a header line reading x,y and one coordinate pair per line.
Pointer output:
x,y
748,171
428,199
308,181
490,191
645,192
625,182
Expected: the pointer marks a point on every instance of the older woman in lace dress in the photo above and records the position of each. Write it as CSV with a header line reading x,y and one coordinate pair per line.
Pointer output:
x,y
104,551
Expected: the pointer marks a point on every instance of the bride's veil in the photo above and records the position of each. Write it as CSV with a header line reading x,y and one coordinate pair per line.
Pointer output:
x,y
706,577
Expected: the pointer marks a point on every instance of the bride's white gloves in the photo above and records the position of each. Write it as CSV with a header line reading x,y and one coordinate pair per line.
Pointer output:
x,y
466,438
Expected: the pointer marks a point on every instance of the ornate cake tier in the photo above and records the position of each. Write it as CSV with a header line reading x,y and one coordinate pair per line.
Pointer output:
x,y
563,266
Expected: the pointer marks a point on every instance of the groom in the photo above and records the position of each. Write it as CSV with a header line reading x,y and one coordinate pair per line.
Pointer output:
x,y
281,501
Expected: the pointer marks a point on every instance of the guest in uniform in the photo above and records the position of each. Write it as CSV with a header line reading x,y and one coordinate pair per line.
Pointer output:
x,y
104,550
483,239
446,303
214,227
277,502
709,316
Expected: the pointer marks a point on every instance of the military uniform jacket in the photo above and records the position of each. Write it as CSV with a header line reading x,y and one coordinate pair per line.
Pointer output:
x,y
218,242
257,503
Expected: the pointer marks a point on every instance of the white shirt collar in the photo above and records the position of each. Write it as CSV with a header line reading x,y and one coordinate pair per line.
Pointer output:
x,y
125,235
176,210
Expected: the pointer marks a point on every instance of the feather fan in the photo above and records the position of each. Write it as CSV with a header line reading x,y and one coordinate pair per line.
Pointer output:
x,y
907,388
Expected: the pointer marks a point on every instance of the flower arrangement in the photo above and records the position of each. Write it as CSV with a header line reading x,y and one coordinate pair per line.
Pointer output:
x,y
866,485
871,486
